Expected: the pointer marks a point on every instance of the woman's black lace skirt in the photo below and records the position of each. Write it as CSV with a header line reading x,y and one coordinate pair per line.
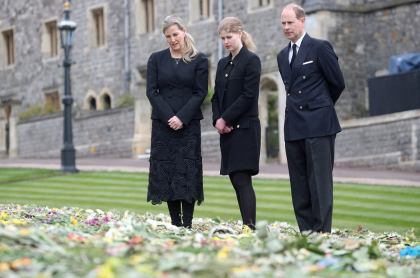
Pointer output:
x,y
176,170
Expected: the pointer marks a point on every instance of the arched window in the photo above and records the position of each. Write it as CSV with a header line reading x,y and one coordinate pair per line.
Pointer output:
x,y
92,103
106,101
268,112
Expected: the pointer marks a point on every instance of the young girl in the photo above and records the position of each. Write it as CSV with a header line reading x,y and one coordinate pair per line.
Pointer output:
x,y
235,114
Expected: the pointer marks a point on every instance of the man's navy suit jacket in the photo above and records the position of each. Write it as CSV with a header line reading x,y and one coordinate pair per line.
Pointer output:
x,y
313,86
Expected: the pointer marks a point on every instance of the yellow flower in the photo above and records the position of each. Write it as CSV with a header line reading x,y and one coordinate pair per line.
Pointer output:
x,y
108,239
4,267
135,259
407,239
4,247
25,232
216,238
54,208
5,222
246,230
4,215
106,272
17,222
313,268
147,270
223,253
20,262
241,269
255,268
73,220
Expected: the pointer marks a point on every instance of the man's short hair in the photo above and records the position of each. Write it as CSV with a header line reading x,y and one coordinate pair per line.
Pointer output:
x,y
299,11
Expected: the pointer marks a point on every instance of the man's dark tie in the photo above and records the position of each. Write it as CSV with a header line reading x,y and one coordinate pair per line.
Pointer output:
x,y
294,56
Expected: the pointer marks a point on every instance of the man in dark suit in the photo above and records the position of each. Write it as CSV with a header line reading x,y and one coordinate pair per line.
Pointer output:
x,y
313,81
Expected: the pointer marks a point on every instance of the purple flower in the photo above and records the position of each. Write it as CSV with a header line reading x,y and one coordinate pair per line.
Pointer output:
x,y
93,222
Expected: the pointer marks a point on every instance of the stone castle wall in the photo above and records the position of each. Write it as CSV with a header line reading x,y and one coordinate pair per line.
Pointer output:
x,y
384,142
364,33
95,134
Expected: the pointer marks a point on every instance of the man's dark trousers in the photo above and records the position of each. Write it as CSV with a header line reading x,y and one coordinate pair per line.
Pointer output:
x,y
310,163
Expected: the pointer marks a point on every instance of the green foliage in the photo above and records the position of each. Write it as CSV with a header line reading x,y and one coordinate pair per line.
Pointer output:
x,y
32,111
362,110
36,110
49,108
38,241
126,100
207,100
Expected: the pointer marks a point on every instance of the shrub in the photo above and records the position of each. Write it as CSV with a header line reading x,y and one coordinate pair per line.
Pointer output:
x,y
36,110
207,100
126,100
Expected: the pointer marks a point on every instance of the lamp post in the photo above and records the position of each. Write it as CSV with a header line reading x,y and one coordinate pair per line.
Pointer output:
x,y
68,154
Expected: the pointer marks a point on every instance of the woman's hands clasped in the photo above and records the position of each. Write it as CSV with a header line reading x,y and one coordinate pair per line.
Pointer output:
x,y
222,127
175,123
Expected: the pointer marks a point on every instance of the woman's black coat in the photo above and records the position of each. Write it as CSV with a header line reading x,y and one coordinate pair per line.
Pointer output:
x,y
176,91
236,101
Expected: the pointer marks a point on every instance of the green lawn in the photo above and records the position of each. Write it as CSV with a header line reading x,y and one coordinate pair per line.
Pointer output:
x,y
378,208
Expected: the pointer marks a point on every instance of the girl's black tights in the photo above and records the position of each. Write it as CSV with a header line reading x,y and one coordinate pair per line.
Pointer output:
x,y
175,212
242,183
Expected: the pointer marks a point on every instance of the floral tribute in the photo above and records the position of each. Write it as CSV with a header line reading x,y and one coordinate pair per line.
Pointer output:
x,y
74,242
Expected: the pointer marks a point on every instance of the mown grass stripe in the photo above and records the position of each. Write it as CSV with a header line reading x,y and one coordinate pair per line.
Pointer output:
x,y
127,190
375,227
375,207
89,189
281,217
11,175
129,199
221,197
376,188
389,202
263,197
385,208
263,206
225,215
379,192
234,210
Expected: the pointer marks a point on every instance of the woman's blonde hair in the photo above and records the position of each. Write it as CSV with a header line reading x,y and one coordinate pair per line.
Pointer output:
x,y
233,25
188,51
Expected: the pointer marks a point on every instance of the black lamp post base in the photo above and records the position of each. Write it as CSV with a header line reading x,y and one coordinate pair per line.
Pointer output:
x,y
69,169
68,161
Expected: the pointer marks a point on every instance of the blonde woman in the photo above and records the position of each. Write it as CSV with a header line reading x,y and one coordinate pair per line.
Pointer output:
x,y
235,114
177,79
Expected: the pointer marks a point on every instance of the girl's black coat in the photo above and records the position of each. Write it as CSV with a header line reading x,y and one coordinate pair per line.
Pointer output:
x,y
236,101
